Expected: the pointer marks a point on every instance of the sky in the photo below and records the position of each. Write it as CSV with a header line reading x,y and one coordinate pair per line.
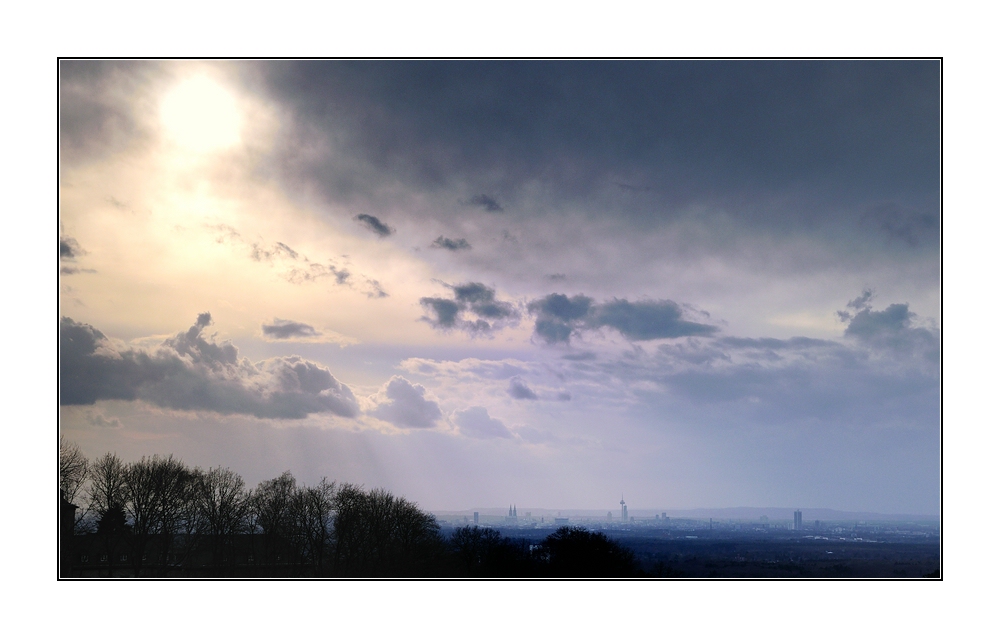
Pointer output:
x,y
549,283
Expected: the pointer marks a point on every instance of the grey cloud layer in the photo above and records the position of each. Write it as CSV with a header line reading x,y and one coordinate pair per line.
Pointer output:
x,y
473,308
476,422
559,317
190,372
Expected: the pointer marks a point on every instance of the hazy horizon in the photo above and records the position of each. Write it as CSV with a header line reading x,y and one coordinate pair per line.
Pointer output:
x,y
511,282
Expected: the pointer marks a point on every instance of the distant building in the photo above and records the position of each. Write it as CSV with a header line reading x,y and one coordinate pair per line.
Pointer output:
x,y
561,521
624,510
475,518
512,515
797,525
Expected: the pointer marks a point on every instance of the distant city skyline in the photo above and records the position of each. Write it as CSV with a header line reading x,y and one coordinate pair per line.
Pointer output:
x,y
707,284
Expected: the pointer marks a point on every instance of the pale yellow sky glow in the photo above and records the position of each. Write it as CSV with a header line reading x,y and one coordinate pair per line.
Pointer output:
x,y
201,116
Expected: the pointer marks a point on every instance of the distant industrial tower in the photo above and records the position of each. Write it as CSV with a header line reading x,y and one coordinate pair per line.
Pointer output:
x,y
798,520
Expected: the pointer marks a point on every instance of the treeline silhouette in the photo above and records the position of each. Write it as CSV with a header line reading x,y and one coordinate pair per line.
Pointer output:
x,y
157,517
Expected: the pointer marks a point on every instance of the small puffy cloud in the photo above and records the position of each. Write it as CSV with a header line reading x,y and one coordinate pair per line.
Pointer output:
x,y
375,289
488,203
445,311
476,422
891,330
403,404
473,308
558,317
287,329
450,244
518,389
69,249
375,225
191,372
73,270
99,420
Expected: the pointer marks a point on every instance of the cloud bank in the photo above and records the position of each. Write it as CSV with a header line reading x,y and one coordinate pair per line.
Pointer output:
x,y
191,372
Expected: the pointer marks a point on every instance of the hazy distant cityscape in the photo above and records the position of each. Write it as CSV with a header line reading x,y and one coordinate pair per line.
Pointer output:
x,y
741,542
160,518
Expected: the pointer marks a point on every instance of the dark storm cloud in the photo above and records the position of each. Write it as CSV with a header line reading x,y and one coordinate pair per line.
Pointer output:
x,y
403,404
450,244
518,389
821,134
558,317
190,372
374,224
486,202
286,329
474,309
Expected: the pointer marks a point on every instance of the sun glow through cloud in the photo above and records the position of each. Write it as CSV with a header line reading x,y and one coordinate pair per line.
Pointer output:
x,y
201,116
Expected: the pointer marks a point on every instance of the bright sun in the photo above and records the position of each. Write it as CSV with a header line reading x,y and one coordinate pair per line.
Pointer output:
x,y
200,115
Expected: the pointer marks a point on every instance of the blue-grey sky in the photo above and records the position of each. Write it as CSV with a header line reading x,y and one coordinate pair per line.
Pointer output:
x,y
703,284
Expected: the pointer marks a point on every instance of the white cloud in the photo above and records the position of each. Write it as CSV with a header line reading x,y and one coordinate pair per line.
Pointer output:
x,y
403,404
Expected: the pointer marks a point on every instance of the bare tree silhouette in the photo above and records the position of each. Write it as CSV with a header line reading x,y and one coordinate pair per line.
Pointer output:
x,y
107,501
223,506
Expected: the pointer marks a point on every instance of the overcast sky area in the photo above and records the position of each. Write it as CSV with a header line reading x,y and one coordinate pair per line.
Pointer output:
x,y
700,284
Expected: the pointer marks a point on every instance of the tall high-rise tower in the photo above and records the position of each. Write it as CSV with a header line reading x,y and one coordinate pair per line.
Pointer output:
x,y
624,510
798,520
